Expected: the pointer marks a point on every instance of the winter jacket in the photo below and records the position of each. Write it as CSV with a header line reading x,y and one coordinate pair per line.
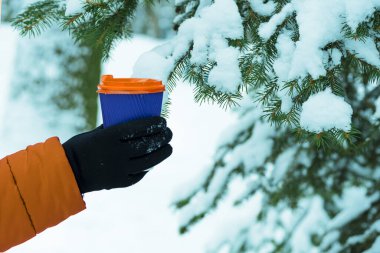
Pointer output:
x,y
37,191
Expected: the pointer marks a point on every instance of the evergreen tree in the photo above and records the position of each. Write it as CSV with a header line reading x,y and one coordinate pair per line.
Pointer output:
x,y
64,80
304,77
66,74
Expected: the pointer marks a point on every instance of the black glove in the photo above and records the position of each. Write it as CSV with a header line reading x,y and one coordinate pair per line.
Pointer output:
x,y
118,156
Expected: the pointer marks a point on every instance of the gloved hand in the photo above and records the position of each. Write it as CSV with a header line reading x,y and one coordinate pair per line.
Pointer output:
x,y
118,156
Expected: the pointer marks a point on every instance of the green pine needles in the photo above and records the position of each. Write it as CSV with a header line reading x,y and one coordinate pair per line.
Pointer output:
x,y
100,23
259,78
293,188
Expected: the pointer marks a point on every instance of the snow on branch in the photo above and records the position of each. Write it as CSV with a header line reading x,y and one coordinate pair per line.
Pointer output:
x,y
324,111
207,35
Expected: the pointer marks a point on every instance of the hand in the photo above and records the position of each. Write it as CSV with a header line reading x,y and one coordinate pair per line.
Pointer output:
x,y
118,156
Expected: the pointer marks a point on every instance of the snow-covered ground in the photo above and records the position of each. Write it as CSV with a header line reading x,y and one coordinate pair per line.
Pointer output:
x,y
138,219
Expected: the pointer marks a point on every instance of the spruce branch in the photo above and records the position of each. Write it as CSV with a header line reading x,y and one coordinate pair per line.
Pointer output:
x,y
178,72
100,23
38,17
326,163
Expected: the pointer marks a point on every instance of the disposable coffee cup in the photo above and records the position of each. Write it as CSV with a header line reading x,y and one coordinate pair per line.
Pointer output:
x,y
125,99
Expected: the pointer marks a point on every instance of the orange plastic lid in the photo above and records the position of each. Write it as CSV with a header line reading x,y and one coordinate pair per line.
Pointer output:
x,y
111,85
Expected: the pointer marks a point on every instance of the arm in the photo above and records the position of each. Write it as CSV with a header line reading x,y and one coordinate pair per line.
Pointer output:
x,y
37,190
42,185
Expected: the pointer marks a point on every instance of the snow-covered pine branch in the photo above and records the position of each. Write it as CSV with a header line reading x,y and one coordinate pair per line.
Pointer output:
x,y
313,69
281,52
272,194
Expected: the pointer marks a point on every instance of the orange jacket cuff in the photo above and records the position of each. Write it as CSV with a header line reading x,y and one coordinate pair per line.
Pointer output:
x,y
46,185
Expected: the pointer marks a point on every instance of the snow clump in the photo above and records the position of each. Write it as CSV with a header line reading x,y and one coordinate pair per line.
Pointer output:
x,y
73,6
325,111
320,22
207,32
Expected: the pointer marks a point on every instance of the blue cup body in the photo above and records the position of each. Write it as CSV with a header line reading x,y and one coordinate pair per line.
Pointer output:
x,y
120,108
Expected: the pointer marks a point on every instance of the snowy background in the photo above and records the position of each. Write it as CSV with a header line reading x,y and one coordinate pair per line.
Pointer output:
x,y
137,219
140,218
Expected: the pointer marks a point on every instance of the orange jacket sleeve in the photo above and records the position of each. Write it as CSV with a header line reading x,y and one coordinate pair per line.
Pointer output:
x,y
37,190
